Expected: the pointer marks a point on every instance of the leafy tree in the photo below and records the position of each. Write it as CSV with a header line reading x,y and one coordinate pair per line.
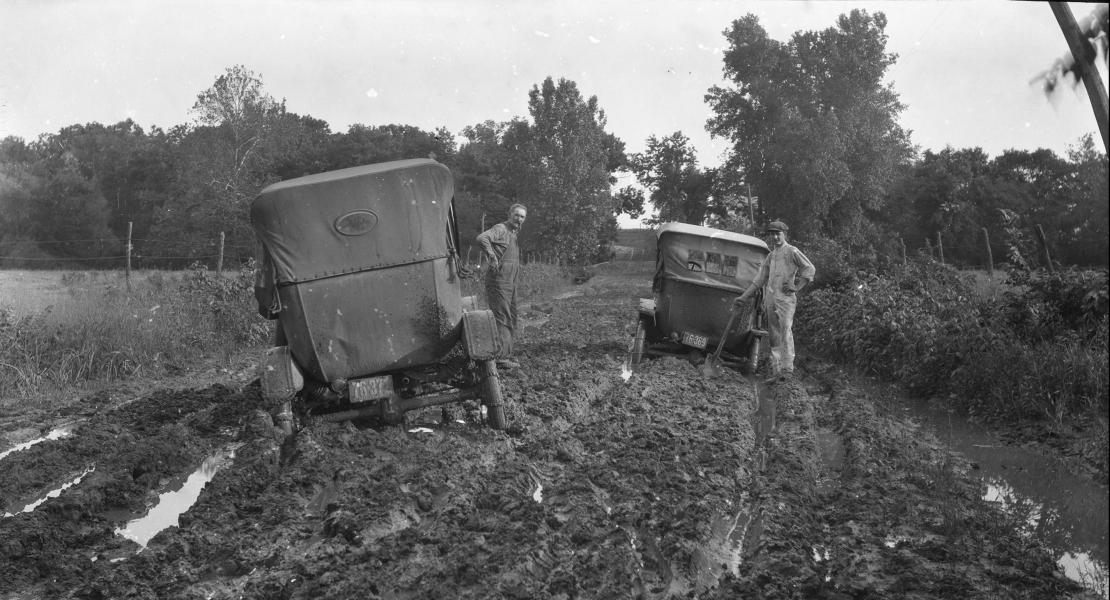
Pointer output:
x,y
70,213
223,160
17,185
559,166
668,168
482,191
813,128
299,146
365,144
127,166
630,201
237,103
955,193
1088,228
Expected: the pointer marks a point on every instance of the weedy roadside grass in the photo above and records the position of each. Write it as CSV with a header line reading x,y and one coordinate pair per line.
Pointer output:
x,y
65,331
94,329
1036,351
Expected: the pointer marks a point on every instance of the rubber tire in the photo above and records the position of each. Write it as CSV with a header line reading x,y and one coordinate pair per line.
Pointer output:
x,y
751,363
491,395
638,341
279,335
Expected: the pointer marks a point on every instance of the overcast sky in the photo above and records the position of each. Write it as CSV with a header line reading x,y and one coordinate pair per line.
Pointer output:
x,y
964,68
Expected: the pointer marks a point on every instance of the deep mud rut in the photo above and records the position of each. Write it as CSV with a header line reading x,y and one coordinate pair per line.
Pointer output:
x,y
665,485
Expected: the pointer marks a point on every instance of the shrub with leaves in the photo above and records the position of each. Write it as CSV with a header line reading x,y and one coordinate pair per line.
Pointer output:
x,y
228,302
1039,353
1074,299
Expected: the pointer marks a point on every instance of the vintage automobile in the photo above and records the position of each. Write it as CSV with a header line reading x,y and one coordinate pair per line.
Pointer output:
x,y
359,267
699,271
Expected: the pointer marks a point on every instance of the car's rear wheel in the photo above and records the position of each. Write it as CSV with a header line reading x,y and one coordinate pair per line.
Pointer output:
x,y
638,340
491,395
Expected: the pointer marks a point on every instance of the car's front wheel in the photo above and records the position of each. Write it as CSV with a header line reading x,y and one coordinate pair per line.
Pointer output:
x,y
638,341
491,395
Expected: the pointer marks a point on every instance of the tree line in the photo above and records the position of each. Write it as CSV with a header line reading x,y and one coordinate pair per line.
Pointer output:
x,y
814,137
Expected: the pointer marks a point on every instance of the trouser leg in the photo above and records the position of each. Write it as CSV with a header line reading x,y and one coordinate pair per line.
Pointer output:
x,y
512,322
502,302
774,329
786,321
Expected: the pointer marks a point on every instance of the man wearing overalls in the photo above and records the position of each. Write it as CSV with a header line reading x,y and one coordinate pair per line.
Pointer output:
x,y
499,244
784,272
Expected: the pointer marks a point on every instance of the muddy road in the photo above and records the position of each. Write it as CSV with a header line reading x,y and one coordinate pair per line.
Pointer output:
x,y
663,485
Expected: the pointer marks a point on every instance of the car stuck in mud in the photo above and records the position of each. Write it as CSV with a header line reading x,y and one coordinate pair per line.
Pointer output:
x,y
360,270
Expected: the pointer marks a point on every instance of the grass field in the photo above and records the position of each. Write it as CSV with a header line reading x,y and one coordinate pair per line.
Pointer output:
x,y
26,292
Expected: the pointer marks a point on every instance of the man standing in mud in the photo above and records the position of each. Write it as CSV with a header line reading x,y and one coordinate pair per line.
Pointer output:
x,y
503,256
784,272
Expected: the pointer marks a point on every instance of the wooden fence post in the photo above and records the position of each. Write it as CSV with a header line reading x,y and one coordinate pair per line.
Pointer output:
x,y
940,248
128,276
990,256
1044,250
220,259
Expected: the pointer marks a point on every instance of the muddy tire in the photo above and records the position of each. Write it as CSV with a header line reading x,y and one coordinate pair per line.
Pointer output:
x,y
638,341
279,338
751,361
491,395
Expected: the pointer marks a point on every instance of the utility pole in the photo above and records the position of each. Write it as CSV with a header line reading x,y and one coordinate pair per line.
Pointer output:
x,y
1084,54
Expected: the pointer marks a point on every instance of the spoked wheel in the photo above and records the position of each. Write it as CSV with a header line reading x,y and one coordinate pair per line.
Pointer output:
x,y
638,343
491,395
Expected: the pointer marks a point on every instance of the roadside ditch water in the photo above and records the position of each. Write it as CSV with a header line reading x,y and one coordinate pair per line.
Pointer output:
x,y
1066,512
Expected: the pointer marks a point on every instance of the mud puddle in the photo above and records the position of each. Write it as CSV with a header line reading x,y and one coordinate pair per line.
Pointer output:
x,y
179,498
1066,512
55,434
56,492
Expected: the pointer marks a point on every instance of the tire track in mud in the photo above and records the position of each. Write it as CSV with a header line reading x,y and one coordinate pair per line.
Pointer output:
x,y
121,460
600,489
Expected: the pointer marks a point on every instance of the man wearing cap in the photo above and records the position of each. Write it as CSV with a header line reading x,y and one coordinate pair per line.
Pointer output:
x,y
499,245
784,272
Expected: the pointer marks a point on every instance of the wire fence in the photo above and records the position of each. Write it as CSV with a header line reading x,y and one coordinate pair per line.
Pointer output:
x,y
97,253
113,253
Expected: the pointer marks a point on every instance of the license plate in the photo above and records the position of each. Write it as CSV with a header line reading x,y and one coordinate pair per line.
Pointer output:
x,y
370,388
693,339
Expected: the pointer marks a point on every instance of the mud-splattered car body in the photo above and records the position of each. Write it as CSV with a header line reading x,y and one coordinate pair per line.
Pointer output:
x,y
699,272
359,267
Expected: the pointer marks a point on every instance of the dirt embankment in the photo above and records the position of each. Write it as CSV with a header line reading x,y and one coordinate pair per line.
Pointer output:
x,y
667,485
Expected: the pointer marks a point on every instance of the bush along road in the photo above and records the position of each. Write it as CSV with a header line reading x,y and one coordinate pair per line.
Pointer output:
x,y
663,485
